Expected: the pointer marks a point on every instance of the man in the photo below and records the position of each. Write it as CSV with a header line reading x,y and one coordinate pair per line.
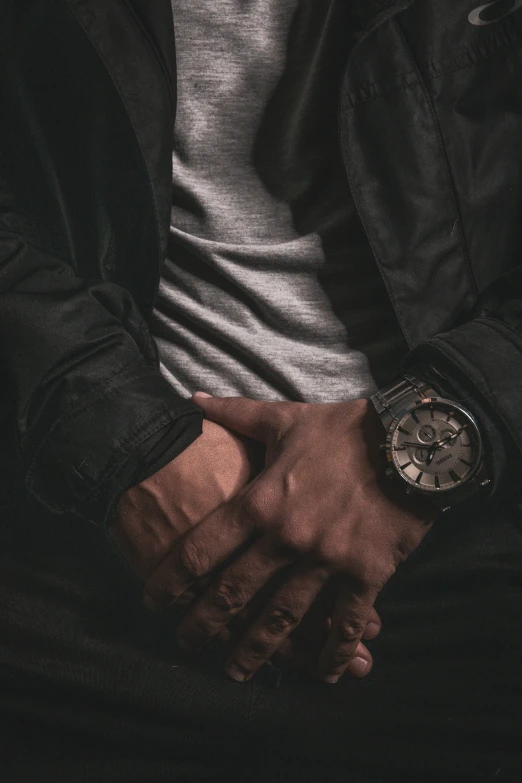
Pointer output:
x,y
350,294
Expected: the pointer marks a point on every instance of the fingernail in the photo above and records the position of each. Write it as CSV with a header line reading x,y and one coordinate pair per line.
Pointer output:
x,y
201,394
236,673
332,678
373,627
359,666
149,603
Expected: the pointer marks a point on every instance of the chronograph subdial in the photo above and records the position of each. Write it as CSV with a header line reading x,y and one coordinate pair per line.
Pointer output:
x,y
434,448
426,433
421,454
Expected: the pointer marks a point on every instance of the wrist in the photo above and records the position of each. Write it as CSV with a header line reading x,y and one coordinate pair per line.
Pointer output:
x,y
433,445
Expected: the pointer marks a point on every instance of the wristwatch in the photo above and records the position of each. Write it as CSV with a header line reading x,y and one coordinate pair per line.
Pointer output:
x,y
433,444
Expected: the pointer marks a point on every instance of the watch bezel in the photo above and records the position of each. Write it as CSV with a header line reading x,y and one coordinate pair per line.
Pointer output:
x,y
432,491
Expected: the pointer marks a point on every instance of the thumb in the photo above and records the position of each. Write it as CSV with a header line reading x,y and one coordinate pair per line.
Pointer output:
x,y
252,418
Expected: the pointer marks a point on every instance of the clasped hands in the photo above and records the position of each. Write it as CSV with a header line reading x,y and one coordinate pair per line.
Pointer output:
x,y
320,512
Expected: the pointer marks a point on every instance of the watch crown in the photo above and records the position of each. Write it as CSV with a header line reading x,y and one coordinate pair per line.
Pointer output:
x,y
389,472
382,447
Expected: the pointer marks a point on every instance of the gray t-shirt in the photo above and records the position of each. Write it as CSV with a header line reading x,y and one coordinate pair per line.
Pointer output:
x,y
270,289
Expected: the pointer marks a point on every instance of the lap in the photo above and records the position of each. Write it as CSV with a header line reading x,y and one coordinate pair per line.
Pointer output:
x,y
444,697
90,680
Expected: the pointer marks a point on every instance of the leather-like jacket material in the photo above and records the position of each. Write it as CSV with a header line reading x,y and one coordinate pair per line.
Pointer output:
x,y
430,125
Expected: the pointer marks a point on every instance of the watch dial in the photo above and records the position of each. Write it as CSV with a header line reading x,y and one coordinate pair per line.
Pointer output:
x,y
435,446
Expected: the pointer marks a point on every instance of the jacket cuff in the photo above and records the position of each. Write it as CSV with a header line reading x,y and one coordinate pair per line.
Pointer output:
x,y
156,452
90,455
463,364
160,449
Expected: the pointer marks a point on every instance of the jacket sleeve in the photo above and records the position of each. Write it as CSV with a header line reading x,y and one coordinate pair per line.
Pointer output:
x,y
480,362
81,377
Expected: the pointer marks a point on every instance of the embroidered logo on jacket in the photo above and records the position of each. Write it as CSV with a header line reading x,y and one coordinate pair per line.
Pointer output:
x,y
493,12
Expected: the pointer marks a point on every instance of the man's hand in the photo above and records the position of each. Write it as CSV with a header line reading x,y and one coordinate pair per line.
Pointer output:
x,y
152,515
301,648
322,505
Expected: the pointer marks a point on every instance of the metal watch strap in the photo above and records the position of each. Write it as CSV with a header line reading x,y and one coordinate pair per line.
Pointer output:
x,y
392,402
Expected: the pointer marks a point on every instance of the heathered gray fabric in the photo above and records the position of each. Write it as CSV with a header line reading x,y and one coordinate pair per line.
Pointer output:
x,y
270,289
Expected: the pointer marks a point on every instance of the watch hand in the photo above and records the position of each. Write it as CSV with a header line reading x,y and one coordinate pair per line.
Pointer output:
x,y
440,443
418,445
449,438
431,455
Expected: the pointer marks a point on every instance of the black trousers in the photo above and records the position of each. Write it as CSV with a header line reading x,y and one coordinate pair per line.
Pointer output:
x,y
94,688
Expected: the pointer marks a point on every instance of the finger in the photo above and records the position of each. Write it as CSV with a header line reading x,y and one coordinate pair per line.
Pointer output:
x,y
311,632
361,663
300,650
373,626
314,628
327,598
349,620
198,552
287,656
297,655
303,646
282,614
304,660
230,593
254,418
311,635
294,650
237,626
301,656
192,593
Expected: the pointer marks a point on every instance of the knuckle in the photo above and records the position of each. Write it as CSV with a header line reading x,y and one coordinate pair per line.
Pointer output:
x,y
257,504
405,546
361,574
330,555
349,631
385,574
292,541
286,550
228,596
370,575
193,560
252,505
359,566
280,619
284,416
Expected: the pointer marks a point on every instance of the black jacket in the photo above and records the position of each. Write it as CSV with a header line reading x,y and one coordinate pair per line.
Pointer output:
x,y
430,123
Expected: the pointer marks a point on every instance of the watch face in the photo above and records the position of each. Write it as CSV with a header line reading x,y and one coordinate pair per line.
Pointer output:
x,y
436,446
